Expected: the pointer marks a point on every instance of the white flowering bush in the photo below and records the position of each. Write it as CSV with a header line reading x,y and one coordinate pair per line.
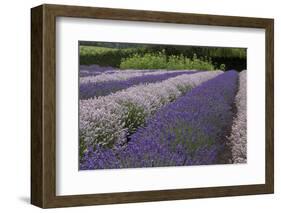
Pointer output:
x,y
238,137
109,120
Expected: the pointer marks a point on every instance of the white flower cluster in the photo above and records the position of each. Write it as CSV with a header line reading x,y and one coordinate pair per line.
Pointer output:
x,y
238,137
110,119
123,75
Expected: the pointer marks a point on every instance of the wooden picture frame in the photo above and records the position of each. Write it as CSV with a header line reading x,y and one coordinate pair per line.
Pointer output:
x,y
43,105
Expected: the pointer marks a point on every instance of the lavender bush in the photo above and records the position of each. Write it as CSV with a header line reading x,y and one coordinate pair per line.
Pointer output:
x,y
109,120
124,75
146,154
238,137
115,76
195,121
94,70
188,131
91,90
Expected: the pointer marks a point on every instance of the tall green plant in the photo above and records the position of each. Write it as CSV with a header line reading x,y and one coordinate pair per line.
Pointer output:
x,y
161,61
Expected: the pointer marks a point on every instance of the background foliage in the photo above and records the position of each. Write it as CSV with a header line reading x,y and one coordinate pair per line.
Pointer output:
x,y
125,55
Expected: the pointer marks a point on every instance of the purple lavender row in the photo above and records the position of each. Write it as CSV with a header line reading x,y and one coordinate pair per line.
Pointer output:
x,y
91,90
94,70
189,131
122,75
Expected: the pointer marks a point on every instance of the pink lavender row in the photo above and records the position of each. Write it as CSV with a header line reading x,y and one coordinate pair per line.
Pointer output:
x,y
91,90
238,137
188,131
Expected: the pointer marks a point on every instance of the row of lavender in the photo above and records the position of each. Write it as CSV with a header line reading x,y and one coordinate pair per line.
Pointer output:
x,y
98,71
124,75
189,131
238,137
94,70
108,120
91,88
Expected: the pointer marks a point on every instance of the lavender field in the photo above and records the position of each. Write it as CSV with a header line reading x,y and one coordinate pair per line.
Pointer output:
x,y
134,118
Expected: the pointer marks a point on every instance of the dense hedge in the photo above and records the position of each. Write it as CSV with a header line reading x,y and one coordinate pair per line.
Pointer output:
x,y
235,63
105,56
202,51
233,58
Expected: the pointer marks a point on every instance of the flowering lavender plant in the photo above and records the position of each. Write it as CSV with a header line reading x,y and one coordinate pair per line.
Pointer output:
x,y
119,75
238,137
94,70
111,119
195,121
188,131
91,90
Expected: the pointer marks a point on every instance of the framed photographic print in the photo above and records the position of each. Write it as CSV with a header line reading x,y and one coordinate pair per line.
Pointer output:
x,y
135,106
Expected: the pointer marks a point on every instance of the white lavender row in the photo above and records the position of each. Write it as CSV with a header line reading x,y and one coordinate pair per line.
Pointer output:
x,y
110,119
238,137
122,75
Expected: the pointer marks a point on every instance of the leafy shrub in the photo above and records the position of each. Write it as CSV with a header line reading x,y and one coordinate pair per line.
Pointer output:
x,y
147,61
134,117
222,67
161,61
